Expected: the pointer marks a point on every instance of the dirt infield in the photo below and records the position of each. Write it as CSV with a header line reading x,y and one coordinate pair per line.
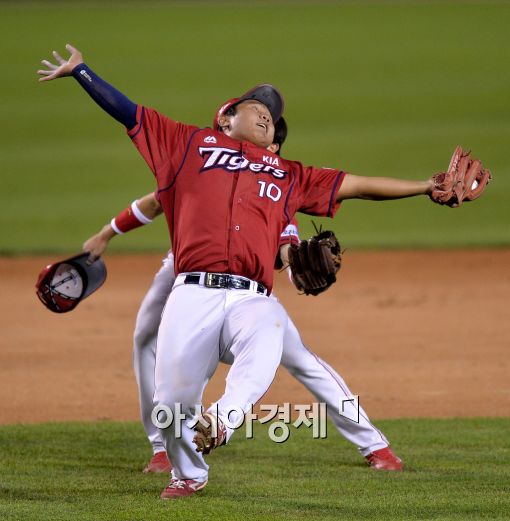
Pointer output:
x,y
383,327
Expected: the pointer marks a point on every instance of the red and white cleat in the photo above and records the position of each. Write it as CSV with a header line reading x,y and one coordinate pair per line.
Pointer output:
x,y
384,459
179,488
159,464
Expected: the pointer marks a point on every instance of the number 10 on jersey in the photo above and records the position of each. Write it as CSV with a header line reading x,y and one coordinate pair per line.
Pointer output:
x,y
270,190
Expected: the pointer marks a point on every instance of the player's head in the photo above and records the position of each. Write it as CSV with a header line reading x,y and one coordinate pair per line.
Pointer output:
x,y
266,94
253,116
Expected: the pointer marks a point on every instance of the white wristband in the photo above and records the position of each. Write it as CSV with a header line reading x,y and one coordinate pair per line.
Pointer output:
x,y
138,214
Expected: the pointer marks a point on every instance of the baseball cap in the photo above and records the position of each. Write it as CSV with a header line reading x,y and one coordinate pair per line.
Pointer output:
x,y
61,286
264,93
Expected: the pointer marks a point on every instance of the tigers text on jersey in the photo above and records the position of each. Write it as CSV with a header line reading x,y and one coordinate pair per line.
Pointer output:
x,y
227,201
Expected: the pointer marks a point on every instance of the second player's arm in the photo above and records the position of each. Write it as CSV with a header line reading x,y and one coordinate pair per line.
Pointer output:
x,y
149,208
381,188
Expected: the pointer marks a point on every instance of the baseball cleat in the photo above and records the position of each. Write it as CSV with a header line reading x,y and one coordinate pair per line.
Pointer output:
x,y
179,488
210,433
159,464
384,459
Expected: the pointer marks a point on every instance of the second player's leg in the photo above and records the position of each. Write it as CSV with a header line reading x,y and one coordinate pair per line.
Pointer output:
x,y
329,387
144,352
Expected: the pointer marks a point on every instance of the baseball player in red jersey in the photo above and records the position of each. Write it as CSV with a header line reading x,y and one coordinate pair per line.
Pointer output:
x,y
226,196
315,374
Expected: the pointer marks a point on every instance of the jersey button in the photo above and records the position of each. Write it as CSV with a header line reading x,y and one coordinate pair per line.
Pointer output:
x,y
239,200
237,227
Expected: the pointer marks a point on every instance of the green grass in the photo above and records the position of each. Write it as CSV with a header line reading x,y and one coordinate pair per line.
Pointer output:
x,y
456,469
375,88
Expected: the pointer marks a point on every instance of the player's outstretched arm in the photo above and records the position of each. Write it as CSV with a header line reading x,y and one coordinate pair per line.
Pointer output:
x,y
381,188
140,212
105,95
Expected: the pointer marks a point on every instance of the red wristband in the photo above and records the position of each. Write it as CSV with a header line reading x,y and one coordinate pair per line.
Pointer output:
x,y
129,219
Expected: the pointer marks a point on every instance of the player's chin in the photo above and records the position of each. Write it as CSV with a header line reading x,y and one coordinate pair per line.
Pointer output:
x,y
260,135
261,139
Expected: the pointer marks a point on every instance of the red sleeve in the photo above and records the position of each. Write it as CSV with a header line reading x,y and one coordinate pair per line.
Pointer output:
x,y
159,139
319,187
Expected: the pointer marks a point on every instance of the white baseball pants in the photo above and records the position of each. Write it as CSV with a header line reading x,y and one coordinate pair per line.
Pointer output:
x,y
315,374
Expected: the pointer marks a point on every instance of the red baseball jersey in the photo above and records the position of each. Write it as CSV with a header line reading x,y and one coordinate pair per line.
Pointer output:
x,y
227,201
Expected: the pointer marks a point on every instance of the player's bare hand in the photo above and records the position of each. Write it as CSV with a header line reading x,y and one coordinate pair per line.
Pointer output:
x,y
97,244
63,67
284,254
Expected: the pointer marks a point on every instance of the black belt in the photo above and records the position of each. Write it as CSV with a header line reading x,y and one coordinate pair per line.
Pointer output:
x,y
225,281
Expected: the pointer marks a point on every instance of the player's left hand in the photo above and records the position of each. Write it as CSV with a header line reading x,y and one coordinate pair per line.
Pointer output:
x,y
465,180
64,67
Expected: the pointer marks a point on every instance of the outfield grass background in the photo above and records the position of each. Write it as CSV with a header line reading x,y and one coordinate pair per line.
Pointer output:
x,y
375,88
92,471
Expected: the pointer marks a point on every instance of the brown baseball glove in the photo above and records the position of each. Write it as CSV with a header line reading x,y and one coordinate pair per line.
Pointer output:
x,y
465,180
314,263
